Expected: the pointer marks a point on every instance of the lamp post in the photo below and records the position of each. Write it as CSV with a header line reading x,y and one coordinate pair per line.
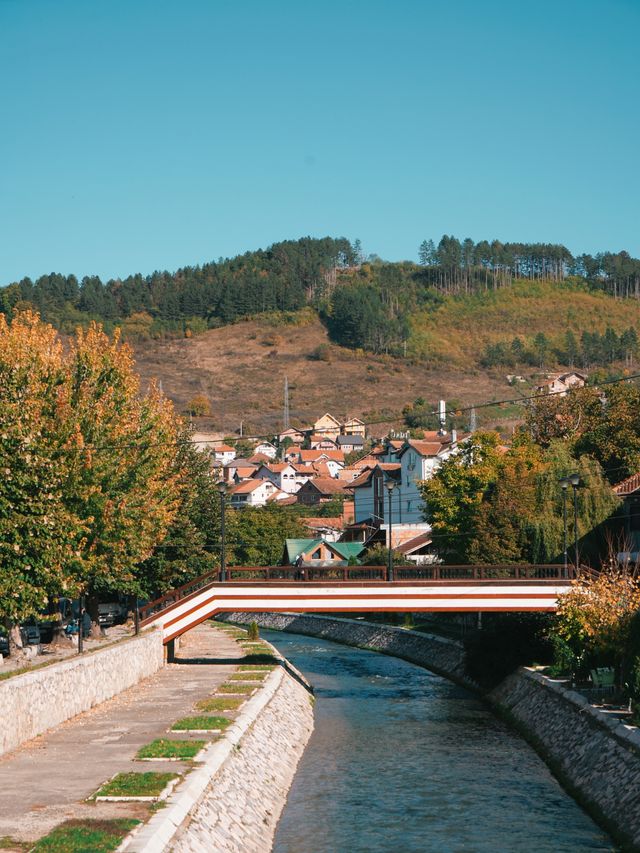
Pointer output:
x,y
222,489
564,485
390,486
80,623
574,479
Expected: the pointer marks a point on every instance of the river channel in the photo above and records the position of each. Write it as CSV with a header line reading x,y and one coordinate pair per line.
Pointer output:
x,y
403,760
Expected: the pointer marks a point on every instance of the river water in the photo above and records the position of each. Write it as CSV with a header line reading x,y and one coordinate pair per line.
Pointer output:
x,y
403,760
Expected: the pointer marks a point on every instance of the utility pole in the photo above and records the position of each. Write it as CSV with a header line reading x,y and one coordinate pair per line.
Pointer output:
x,y
286,403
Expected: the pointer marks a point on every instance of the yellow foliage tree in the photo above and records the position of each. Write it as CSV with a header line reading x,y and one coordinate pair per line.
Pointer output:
x,y
89,475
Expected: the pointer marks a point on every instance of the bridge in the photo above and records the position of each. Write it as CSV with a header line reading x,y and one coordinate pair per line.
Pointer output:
x,y
353,589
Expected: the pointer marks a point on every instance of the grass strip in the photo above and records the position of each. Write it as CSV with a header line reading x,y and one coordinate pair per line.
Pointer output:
x,y
218,703
136,785
86,836
167,748
248,676
236,688
200,722
264,667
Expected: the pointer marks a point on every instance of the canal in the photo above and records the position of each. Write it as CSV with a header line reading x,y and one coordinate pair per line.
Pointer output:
x,y
403,760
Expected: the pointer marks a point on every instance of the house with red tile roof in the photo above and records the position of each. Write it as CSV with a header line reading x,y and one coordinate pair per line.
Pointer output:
x,y
252,493
320,490
223,453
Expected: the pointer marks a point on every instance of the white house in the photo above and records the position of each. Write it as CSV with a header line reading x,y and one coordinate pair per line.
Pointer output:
x,y
561,384
283,475
267,449
252,493
223,453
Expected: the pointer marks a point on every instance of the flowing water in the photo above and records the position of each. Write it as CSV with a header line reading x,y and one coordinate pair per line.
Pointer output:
x,y
403,760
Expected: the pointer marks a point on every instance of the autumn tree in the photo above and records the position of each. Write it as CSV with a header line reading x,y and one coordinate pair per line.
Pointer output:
x,y
594,619
37,528
89,486
122,485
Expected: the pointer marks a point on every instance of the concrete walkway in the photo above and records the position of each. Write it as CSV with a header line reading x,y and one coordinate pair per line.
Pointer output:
x,y
46,781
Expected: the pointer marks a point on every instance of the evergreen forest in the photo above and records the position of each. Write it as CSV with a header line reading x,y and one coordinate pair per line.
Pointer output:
x,y
365,302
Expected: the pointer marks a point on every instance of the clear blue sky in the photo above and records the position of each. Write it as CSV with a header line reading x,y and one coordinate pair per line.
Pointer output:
x,y
149,134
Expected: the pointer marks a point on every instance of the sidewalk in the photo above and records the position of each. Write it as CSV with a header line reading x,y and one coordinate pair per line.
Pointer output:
x,y
46,781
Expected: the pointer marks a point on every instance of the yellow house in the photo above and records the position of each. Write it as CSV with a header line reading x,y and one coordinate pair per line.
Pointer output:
x,y
327,425
354,426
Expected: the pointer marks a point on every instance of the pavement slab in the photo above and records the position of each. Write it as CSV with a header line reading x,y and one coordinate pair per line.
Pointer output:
x,y
48,779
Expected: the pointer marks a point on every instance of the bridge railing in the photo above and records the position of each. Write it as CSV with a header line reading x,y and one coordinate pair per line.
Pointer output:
x,y
434,572
359,574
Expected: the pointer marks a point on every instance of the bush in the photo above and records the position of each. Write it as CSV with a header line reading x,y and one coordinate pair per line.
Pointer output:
x,y
321,353
253,633
198,406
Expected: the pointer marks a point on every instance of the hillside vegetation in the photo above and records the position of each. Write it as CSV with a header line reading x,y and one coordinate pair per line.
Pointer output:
x,y
460,328
356,334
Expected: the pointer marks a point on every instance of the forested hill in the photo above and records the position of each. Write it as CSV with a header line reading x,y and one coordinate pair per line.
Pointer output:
x,y
364,302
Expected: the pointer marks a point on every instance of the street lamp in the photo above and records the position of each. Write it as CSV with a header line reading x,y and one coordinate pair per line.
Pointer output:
x,y
222,489
574,479
390,486
564,485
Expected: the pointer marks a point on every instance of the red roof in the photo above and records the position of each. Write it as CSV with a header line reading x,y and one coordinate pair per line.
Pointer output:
x,y
248,486
414,544
317,523
628,486
325,485
223,448
314,455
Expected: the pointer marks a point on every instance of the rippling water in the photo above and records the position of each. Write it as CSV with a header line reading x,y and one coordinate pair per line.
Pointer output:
x,y
403,760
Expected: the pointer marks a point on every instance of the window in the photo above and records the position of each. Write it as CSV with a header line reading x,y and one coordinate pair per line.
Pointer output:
x,y
409,506
316,555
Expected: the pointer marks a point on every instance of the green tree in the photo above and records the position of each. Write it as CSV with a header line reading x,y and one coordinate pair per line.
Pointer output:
x,y
256,535
541,348
453,496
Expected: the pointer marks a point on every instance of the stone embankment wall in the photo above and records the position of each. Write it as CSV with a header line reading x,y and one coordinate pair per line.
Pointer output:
x,y
593,754
232,802
595,757
36,701
439,654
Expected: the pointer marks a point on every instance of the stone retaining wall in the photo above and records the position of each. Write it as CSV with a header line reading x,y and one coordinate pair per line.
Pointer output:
x,y
36,701
594,755
439,654
233,801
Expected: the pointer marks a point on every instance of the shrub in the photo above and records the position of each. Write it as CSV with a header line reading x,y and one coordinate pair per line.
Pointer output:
x,y
198,406
253,633
321,353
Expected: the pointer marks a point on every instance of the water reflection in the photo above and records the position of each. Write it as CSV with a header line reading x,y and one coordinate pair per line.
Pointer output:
x,y
403,760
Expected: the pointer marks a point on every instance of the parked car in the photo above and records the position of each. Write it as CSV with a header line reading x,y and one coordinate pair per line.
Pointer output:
x,y
30,633
111,613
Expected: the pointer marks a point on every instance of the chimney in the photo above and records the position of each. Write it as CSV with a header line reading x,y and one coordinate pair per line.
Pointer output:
x,y
442,416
